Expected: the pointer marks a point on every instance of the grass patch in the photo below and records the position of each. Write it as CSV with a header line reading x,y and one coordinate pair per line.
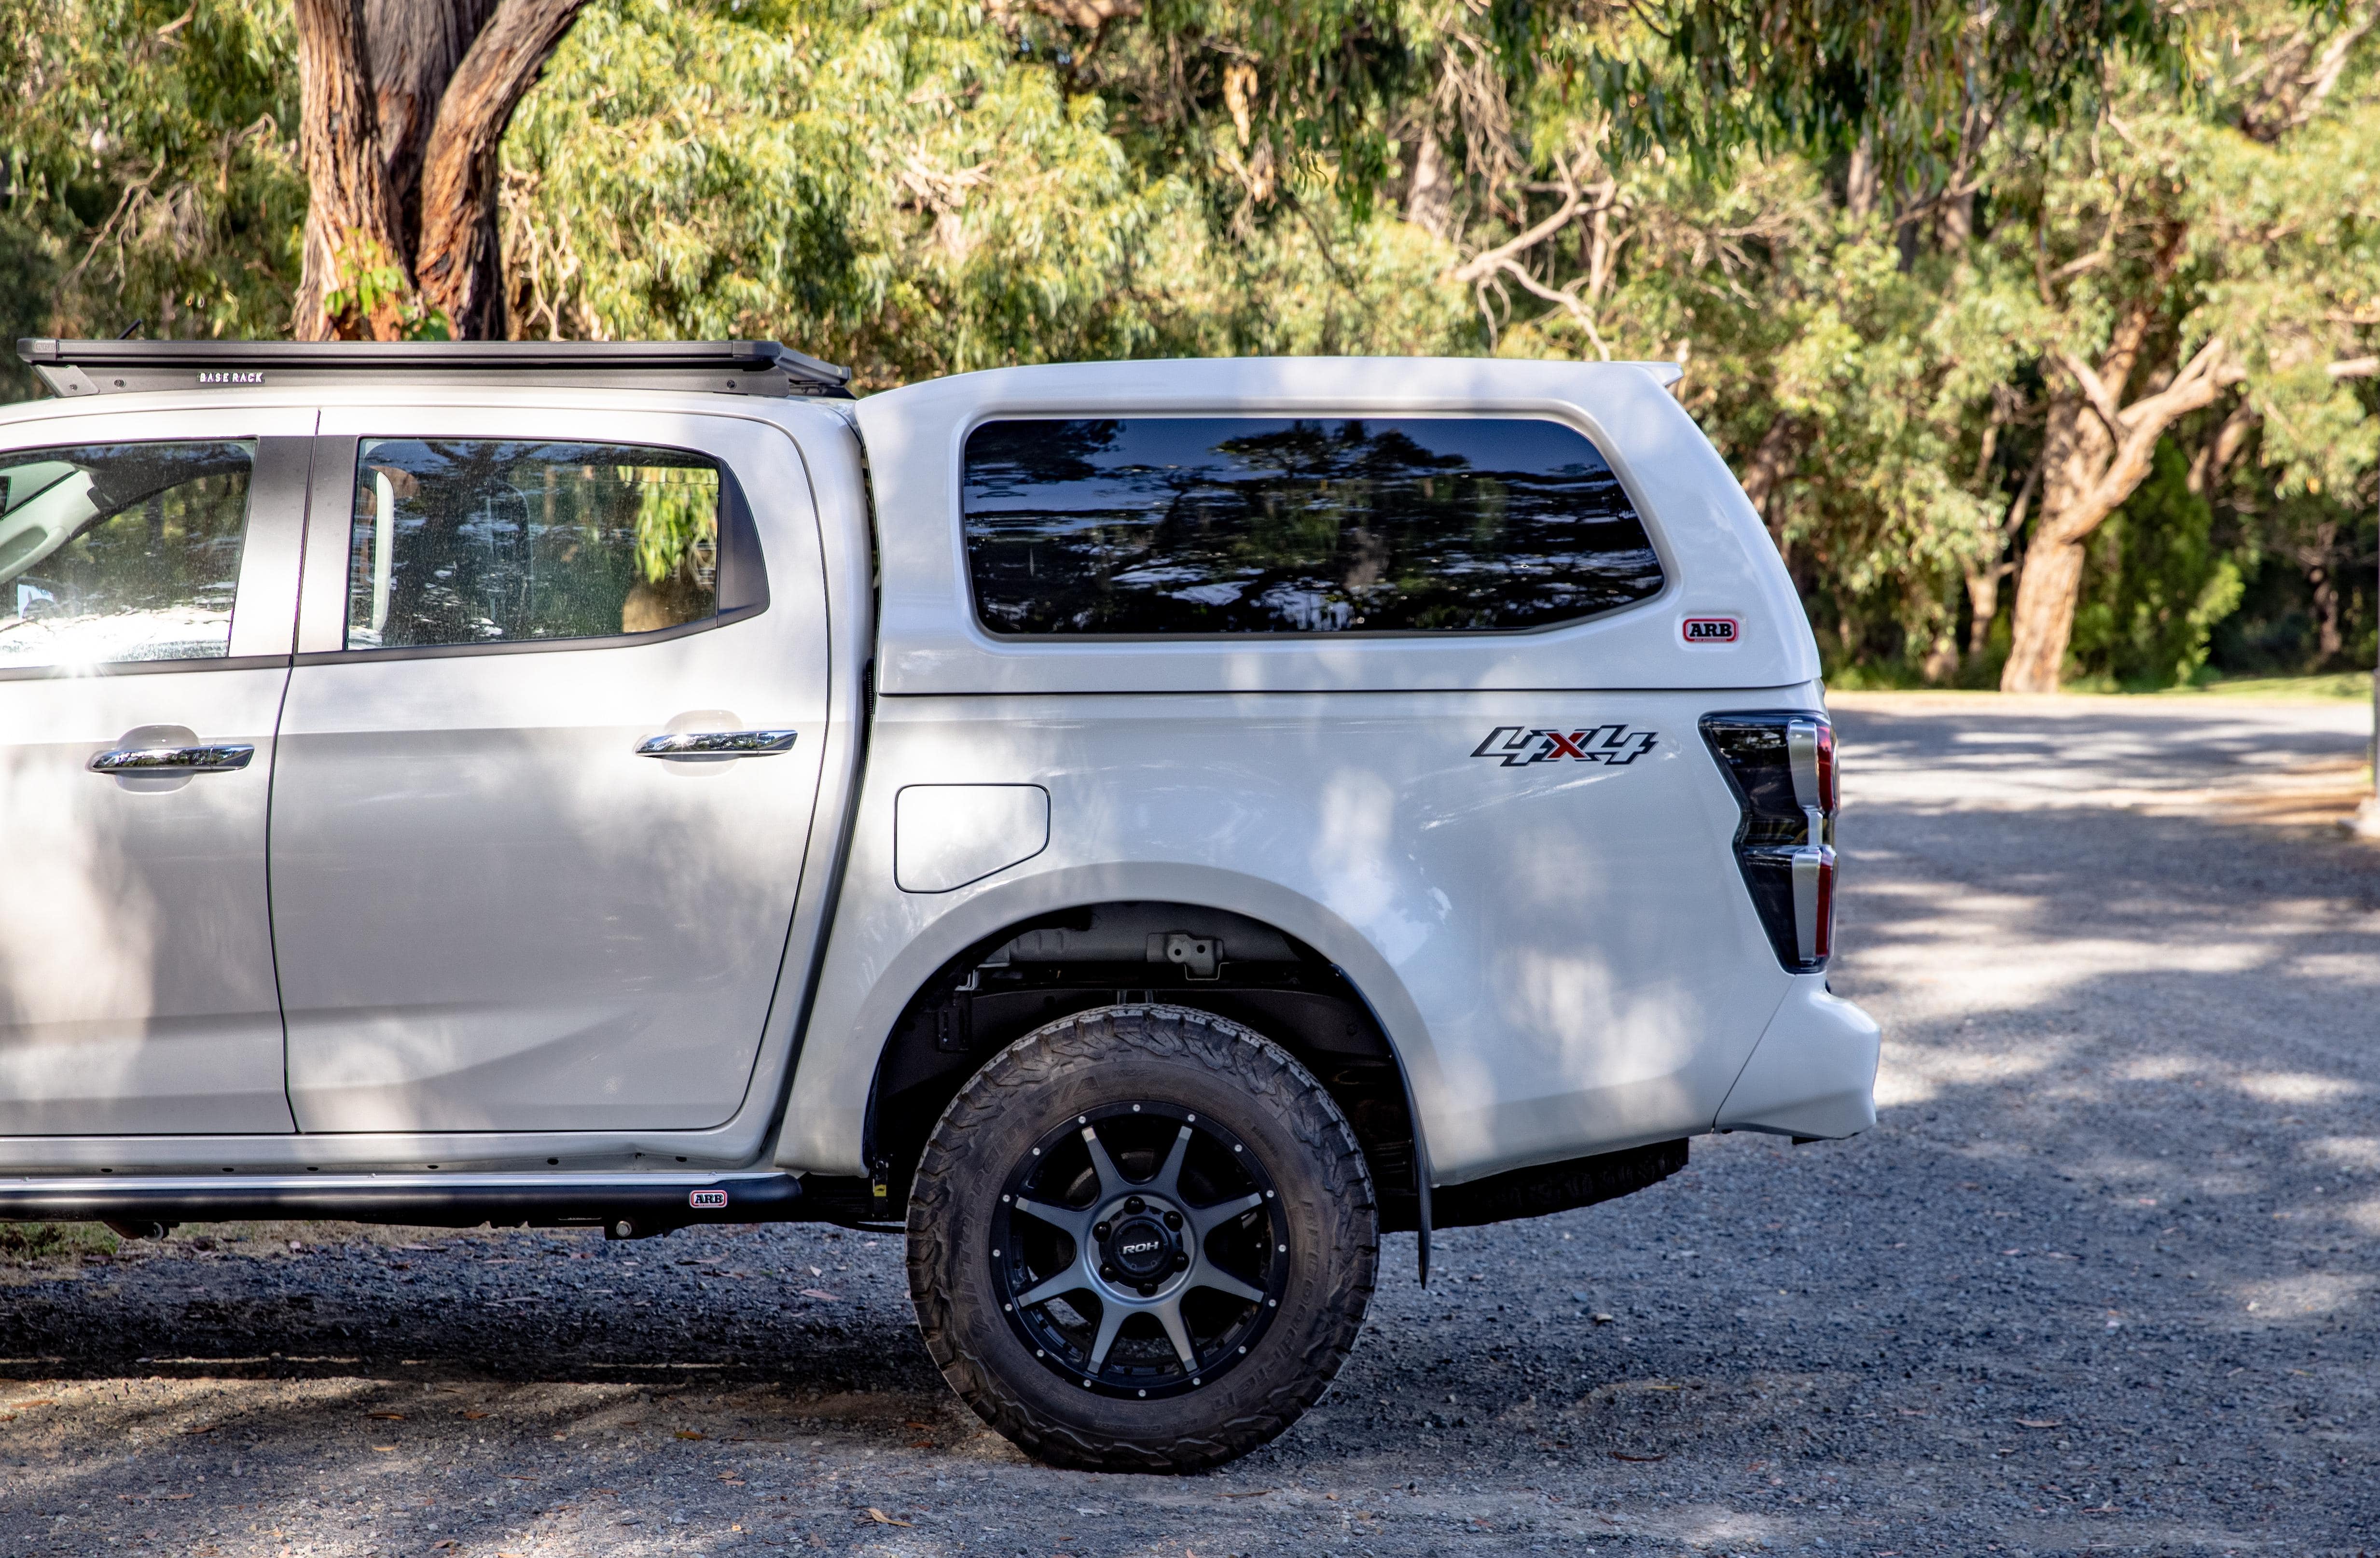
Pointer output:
x,y
2338,685
53,1241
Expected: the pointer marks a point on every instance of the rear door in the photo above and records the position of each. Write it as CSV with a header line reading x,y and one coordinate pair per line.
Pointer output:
x,y
148,586
550,754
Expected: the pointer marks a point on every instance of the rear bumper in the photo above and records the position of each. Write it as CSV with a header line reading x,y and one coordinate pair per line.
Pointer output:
x,y
1812,1074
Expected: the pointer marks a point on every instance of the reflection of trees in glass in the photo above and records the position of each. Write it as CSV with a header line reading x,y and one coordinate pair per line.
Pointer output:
x,y
498,540
121,552
1266,525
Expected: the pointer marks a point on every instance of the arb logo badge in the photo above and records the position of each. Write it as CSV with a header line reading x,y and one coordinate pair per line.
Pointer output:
x,y
1615,746
705,1200
1712,629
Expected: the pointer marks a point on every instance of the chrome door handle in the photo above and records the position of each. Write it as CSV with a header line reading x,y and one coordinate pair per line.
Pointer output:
x,y
212,757
716,746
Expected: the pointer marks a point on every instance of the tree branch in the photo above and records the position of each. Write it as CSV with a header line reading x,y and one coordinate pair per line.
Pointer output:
x,y
458,175
1482,266
2203,377
1578,311
2095,390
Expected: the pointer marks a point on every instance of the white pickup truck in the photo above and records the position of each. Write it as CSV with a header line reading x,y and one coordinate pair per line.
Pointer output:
x,y
1148,828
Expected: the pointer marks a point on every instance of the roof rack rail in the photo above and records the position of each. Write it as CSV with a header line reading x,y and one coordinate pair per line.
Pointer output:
x,y
75,367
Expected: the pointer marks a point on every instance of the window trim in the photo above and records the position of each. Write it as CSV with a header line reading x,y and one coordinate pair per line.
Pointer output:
x,y
323,597
143,667
525,646
985,633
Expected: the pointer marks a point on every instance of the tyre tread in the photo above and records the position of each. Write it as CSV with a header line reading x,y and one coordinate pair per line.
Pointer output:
x,y
1249,1061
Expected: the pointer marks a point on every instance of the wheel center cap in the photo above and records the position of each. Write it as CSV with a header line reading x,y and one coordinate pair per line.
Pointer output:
x,y
1141,1248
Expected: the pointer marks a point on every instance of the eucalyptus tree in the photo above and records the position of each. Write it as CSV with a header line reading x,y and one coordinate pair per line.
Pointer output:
x,y
150,170
2175,253
405,104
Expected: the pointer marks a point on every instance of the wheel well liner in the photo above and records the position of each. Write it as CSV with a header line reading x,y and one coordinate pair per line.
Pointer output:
x,y
1052,966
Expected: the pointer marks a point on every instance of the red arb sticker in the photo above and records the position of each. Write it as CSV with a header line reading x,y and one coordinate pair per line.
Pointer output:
x,y
1712,629
705,1200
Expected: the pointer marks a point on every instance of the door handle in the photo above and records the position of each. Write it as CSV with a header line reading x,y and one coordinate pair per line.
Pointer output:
x,y
716,746
210,757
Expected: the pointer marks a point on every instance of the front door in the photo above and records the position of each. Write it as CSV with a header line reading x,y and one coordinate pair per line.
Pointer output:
x,y
148,586
547,768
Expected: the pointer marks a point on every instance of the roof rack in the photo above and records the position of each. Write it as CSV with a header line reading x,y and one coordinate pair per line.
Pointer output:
x,y
74,368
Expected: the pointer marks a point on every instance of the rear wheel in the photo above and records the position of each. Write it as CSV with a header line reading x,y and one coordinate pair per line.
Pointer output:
x,y
1142,1238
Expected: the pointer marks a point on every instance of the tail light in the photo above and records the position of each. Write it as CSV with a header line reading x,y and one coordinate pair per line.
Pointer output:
x,y
1781,765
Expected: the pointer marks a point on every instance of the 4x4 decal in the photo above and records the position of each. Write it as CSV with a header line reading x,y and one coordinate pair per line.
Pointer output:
x,y
1519,745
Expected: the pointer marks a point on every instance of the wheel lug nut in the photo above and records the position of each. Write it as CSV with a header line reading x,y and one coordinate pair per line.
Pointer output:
x,y
1149,1290
1173,1220
1100,1233
1181,1260
1108,1270
1136,1204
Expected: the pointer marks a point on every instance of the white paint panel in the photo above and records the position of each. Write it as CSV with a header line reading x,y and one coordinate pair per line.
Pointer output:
x,y
135,955
1814,1073
948,835
492,914
136,958
1563,954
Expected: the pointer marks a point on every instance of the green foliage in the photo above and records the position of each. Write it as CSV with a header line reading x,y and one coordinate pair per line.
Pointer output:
x,y
677,518
889,185
1918,81
151,156
2155,585
1869,232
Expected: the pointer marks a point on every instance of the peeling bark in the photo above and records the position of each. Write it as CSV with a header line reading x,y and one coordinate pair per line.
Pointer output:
x,y
415,48
405,104
458,261
350,217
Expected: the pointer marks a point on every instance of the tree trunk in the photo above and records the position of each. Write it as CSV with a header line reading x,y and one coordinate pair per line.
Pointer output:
x,y
1430,202
2075,446
1862,180
459,261
1983,604
1765,475
2330,636
350,218
415,48
2047,590
405,104
2094,455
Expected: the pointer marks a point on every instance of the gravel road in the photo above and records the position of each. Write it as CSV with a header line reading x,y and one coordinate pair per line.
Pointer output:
x,y
2102,1280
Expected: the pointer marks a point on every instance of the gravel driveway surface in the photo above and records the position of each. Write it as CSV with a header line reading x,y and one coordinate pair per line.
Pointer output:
x,y
2102,1280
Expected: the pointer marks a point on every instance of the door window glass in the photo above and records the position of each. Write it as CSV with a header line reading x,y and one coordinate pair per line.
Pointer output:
x,y
1272,525
117,551
461,540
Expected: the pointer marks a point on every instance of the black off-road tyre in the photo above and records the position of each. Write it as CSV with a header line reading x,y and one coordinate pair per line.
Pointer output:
x,y
1314,1211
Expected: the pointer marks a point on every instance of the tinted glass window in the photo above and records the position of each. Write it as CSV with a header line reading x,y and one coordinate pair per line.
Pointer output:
x,y
1269,525
116,552
461,540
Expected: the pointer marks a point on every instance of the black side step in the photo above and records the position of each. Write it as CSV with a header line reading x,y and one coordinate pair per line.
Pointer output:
x,y
625,1207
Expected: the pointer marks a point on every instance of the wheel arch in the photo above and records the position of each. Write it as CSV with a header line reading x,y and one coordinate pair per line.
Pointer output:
x,y
888,1081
